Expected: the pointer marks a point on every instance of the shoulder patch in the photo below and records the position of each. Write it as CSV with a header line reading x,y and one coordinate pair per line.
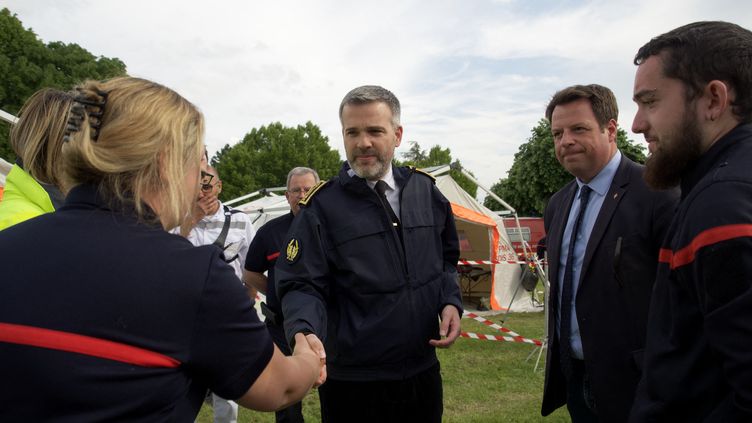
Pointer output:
x,y
310,194
416,170
293,251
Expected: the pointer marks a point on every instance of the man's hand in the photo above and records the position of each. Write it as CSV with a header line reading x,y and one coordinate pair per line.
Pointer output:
x,y
449,328
314,343
204,205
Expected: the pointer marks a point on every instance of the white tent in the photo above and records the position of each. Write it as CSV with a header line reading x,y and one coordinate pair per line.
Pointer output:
x,y
264,209
5,166
4,169
483,243
484,240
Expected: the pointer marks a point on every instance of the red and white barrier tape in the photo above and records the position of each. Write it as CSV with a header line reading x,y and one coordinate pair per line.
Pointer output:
x,y
489,323
472,262
514,337
500,338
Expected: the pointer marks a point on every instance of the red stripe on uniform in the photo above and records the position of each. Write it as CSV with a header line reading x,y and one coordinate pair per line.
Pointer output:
x,y
664,256
71,342
705,238
272,256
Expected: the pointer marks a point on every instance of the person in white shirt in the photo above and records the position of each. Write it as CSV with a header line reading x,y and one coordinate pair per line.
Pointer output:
x,y
230,230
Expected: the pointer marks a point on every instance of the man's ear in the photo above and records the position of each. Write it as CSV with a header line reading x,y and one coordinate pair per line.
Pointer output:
x,y
612,128
219,187
718,99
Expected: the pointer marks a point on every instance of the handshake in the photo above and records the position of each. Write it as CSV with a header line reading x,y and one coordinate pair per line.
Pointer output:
x,y
310,349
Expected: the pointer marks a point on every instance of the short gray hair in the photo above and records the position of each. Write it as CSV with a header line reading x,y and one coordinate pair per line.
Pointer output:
x,y
370,94
301,170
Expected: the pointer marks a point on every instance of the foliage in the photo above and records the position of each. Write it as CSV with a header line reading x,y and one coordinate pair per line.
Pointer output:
x,y
437,156
484,381
27,64
265,156
536,173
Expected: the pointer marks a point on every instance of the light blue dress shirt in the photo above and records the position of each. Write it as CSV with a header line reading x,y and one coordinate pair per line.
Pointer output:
x,y
600,186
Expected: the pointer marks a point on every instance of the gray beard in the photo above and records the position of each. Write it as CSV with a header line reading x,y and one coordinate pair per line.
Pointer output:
x,y
370,173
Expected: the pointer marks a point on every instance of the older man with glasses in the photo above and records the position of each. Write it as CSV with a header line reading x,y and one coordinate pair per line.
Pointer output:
x,y
262,256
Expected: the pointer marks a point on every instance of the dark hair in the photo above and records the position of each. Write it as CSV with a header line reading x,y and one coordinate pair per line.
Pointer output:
x,y
601,99
701,52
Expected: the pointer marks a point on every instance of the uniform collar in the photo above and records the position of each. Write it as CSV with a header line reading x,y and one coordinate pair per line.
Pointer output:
x,y
88,196
395,177
716,153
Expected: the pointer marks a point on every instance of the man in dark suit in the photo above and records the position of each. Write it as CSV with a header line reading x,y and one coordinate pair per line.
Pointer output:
x,y
603,232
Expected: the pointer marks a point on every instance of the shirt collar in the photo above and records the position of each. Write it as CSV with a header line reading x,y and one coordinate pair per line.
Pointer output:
x,y
219,214
388,178
602,181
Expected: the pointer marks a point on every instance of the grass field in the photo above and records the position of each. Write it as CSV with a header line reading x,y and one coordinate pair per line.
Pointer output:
x,y
484,381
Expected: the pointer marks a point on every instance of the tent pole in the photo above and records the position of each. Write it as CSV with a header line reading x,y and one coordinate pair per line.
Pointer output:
x,y
262,191
525,245
8,117
456,166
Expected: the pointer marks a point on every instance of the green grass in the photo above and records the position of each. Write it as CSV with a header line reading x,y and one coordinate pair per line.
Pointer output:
x,y
484,381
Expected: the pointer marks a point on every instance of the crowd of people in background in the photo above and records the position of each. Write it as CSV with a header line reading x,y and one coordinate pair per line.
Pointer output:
x,y
132,287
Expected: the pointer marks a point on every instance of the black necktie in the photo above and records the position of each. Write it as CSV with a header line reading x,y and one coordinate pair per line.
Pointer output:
x,y
380,189
565,321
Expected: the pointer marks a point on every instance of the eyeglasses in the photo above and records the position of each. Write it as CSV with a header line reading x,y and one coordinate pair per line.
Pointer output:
x,y
206,179
297,191
207,187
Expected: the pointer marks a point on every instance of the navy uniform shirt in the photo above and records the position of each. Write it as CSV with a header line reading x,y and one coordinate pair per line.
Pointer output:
x,y
104,317
263,253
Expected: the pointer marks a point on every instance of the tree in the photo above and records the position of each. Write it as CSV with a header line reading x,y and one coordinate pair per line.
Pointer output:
x,y
27,65
536,173
265,156
436,156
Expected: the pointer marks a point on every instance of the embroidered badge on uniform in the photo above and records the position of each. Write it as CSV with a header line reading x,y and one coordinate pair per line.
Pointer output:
x,y
293,251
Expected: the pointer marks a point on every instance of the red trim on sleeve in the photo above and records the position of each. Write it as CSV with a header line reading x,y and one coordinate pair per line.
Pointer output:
x,y
705,238
71,342
664,255
272,256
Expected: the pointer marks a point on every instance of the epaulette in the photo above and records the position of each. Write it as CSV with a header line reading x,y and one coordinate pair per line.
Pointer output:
x,y
422,172
304,201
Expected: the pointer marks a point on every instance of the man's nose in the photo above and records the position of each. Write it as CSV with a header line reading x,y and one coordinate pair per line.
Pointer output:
x,y
639,124
567,138
365,141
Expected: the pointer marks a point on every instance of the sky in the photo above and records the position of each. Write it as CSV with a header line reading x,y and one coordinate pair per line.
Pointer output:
x,y
473,76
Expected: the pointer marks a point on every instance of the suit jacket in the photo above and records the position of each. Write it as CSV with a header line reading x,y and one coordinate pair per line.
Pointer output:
x,y
613,296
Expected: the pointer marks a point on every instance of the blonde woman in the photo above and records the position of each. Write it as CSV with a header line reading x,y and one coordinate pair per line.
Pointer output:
x,y
104,315
32,184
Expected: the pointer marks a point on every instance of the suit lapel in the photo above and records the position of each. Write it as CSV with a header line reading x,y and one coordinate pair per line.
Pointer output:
x,y
610,203
554,239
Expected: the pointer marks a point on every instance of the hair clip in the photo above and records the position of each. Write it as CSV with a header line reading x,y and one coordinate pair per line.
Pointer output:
x,y
75,119
95,115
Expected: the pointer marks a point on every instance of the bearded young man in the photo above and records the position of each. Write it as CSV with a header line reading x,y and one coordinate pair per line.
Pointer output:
x,y
693,89
370,267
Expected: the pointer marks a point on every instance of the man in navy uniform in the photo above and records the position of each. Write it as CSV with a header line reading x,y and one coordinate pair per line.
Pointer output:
x,y
262,255
693,90
370,267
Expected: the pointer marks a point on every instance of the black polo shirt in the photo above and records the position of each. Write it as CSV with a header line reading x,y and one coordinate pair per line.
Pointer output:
x,y
263,253
107,318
